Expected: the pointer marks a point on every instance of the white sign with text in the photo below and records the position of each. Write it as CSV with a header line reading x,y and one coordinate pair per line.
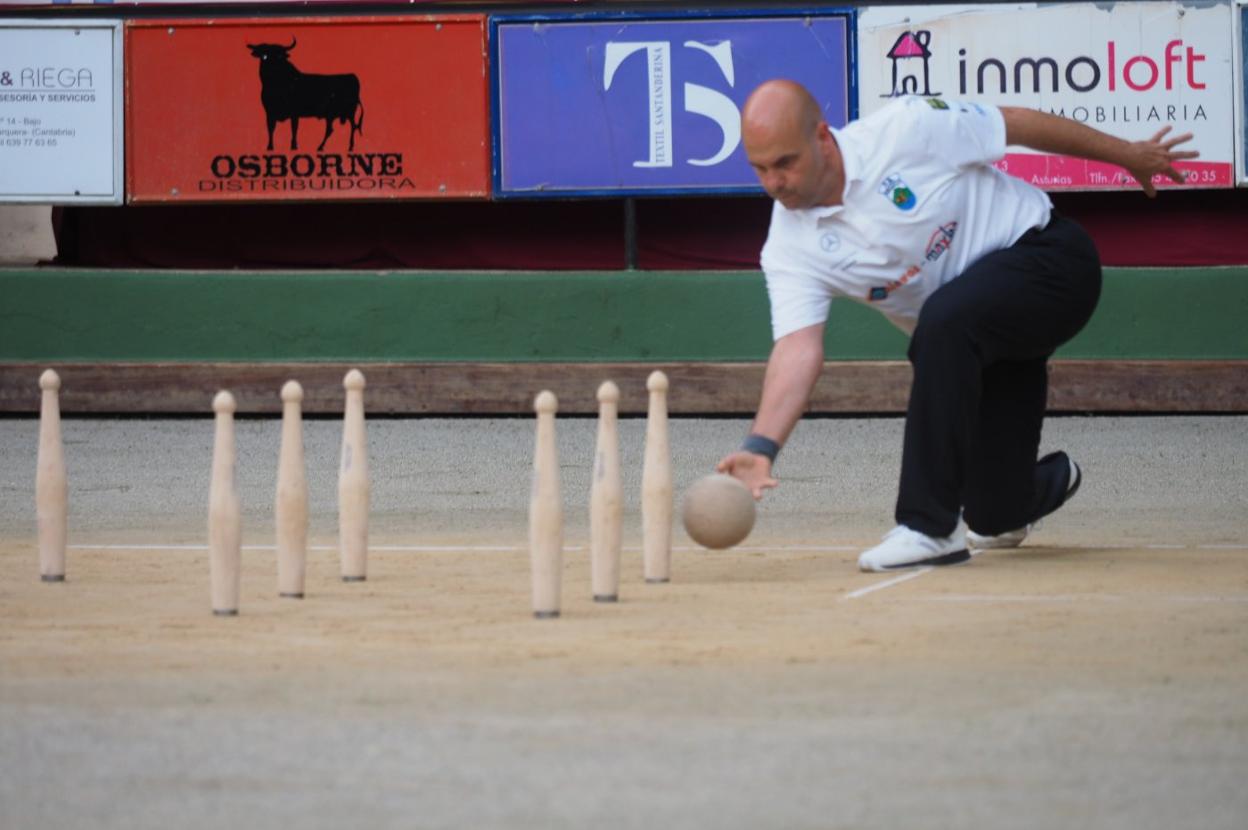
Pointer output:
x,y
1128,69
61,112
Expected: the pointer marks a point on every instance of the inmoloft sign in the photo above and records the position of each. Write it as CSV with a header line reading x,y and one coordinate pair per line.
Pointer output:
x,y
1175,68
1133,69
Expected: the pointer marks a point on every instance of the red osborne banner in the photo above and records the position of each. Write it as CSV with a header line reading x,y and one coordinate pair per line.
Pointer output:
x,y
1128,69
306,108
113,3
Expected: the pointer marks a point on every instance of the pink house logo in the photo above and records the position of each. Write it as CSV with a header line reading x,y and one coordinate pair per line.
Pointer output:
x,y
910,57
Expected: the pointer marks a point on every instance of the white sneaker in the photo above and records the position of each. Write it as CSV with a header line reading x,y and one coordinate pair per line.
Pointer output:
x,y
906,548
1014,538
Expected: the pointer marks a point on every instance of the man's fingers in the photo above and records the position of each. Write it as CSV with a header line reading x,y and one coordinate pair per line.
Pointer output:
x,y
1156,139
1184,154
1175,175
1177,140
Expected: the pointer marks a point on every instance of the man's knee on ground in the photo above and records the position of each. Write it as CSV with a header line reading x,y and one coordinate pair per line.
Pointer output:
x,y
991,519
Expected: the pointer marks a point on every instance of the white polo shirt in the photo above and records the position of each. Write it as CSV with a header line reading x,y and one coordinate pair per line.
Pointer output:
x,y
921,203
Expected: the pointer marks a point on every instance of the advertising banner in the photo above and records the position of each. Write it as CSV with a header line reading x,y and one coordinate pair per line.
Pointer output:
x,y
409,3
1128,69
1240,26
307,108
639,106
60,112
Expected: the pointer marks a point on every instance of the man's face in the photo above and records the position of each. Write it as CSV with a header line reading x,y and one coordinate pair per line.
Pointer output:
x,y
789,165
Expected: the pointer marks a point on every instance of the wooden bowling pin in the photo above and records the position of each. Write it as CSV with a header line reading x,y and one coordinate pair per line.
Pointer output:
x,y
656,486
546,513
606,503
51,489
224,515
353,484
291,505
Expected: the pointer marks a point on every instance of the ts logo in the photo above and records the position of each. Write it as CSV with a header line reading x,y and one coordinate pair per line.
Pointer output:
x,y
701,100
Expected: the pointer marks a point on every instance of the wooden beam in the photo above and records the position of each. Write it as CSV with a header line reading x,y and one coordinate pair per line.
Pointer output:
x,y
1148,385
508,388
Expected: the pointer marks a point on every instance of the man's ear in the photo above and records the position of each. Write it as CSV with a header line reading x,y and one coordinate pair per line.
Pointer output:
x,y
823,135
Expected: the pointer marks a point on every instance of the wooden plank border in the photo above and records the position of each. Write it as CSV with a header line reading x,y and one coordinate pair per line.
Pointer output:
x,y
847,387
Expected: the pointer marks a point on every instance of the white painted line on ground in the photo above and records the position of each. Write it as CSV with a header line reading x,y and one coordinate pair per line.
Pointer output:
x,y
1018,598
436,548
767,548
495,548
682,548
974,598
388,548
146,547
1142,546
888,583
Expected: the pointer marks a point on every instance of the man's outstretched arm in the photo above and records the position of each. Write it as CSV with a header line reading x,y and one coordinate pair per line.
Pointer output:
x,y
792,370
1054,134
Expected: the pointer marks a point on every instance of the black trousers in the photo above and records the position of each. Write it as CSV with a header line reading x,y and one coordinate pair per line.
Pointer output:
x,y
979,354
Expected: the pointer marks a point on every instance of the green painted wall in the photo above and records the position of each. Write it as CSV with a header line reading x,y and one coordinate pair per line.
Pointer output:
x,y
97,316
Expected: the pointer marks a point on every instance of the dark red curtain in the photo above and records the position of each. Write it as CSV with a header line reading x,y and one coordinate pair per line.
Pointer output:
x,y
1176,229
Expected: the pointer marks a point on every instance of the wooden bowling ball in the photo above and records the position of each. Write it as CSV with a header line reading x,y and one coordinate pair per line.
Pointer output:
x,y
718,511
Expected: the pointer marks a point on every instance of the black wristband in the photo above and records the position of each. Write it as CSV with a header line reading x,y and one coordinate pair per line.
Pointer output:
x,y
761,445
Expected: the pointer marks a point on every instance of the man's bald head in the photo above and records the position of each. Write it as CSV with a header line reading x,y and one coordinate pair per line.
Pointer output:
x,y
780,105
790,147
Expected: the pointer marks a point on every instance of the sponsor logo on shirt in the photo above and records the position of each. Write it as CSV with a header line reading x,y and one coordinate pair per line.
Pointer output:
x,y
964,107
881,292
829,242
898,192
940,241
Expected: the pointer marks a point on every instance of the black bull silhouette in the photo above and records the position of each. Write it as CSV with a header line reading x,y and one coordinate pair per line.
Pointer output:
x,y
290,94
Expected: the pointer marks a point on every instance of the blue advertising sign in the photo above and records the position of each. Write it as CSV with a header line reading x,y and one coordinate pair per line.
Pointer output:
x,y
646,106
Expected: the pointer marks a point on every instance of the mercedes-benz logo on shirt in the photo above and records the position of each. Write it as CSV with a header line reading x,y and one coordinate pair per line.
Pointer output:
x,y
829,242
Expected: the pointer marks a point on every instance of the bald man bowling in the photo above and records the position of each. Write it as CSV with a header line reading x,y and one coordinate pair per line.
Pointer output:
x,y
903,211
